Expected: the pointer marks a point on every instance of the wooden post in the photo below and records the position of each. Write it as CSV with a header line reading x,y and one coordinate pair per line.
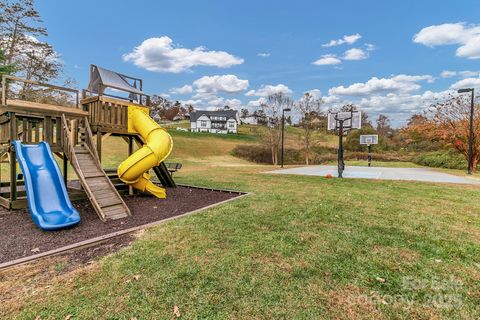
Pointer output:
x,y
28,132
58,133
37,131
24,130
13,158
90,85
4,90
47,130
99,145
130,151
65,169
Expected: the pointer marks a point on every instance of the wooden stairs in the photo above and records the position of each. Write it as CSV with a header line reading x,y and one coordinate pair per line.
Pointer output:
x,y
107,202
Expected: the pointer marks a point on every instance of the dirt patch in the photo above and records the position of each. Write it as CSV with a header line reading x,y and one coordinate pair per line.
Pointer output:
x,y
19,237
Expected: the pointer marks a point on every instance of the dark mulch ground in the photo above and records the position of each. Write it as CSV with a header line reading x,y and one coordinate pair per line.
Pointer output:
x,y
19,237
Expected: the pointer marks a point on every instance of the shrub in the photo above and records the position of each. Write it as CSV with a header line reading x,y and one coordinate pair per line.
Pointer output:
x,y
320,155
444,159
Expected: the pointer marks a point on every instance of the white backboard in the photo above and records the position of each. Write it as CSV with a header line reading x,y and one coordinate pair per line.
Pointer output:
x,y
354,120
369,139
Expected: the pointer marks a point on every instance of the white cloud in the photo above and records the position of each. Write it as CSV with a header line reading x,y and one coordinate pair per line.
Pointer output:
x,y
463,74
370,47
219,102
448,74
264,54
193,102
161,55
226,83
267,90
466,83
316,93
256,103
182,90
466,36
469,74
350,39
350,54
208,89
355,54
397,106
400,83
327,59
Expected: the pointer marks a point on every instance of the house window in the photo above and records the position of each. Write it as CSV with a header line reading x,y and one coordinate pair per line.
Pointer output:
x,y
231,124
203,123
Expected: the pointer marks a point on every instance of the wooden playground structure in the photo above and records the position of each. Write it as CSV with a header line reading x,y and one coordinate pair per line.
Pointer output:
x,y
74,129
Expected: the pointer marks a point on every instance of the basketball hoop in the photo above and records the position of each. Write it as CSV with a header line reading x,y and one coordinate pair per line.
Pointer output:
x,y
343,121
369,139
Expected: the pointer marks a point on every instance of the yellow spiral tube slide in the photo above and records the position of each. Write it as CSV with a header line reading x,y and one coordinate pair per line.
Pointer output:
x,y
157,147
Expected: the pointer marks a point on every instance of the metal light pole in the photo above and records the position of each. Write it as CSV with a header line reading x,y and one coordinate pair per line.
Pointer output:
x,y
283,133
470,141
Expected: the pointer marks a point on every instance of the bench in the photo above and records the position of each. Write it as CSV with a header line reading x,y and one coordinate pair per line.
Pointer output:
x,y
173,166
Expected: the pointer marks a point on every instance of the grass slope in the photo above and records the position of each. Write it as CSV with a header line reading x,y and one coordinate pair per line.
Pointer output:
x,y
299,247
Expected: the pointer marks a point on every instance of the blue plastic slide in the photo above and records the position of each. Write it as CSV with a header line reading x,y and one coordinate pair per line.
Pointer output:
x,y
47,196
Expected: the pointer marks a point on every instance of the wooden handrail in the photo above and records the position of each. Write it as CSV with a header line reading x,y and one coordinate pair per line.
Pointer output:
x,y
89,139
37,83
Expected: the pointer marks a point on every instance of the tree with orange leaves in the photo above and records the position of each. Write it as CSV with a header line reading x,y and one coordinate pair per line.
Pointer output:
x,y
451,124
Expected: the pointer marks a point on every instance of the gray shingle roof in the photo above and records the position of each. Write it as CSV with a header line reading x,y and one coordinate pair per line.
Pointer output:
x,y
113,79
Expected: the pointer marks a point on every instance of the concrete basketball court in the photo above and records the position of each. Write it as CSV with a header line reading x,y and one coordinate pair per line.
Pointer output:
x,y
381,173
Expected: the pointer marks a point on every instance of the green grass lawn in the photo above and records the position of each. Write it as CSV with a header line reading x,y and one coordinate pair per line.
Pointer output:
x,y
297,248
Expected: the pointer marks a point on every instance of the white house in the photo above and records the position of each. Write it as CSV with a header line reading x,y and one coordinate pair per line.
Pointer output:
x,y
221,121
249,120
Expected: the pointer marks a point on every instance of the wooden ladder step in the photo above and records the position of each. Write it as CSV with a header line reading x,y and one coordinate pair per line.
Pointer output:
x,y
96,174
81,150
115,210
99,187
100,196
105,203
117,216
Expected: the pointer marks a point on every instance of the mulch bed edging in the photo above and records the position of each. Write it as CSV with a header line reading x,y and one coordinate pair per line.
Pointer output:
x,y
180,198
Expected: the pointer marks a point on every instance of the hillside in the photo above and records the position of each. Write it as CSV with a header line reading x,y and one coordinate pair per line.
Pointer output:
x,y
203,146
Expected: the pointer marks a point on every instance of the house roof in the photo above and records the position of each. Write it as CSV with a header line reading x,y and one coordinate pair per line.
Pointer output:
x,y
219,113
113,79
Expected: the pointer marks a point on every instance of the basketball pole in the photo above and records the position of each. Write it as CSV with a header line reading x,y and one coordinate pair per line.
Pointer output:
x,y
341,163
369,159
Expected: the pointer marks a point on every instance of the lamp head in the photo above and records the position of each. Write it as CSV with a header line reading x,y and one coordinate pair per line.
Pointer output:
x,y
465,90
287,109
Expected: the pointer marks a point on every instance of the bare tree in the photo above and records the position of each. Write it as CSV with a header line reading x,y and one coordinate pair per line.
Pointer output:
x,y
20,24
272,109
244,113
310,111
20,29
383,125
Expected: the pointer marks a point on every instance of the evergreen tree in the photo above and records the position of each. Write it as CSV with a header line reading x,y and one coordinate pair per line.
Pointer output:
x,y
4,67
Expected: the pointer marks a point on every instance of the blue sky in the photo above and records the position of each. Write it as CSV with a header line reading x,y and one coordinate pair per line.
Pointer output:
x,y
387,56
